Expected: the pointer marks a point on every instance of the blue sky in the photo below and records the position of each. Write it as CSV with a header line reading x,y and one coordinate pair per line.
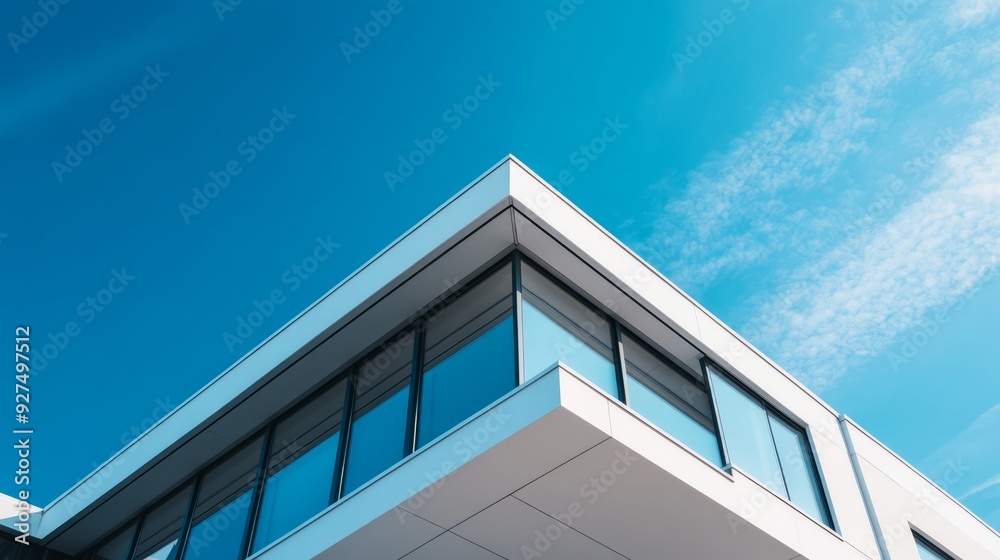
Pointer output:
x,y
824,178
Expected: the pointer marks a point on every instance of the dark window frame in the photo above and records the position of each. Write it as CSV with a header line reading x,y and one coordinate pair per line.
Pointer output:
x,y
187,485
513,258
589,305
350,372
663,357
709,366
921,540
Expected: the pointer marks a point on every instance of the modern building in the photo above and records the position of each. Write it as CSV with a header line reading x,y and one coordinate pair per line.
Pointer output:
x,y
506,380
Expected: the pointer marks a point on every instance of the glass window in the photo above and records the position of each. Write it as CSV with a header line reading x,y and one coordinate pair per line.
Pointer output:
x,y
469,356
224,499
747,431
769,448
378,428
300,468
797,467
161,528
558,327
927,551
117,547
670,399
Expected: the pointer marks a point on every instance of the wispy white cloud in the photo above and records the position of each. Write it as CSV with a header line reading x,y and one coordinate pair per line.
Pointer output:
x,y
966,13
851,304
869,202
989,483
968,465
731,216
843,288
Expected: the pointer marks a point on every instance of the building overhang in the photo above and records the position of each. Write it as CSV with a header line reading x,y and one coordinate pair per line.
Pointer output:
x,y
508,207
530,477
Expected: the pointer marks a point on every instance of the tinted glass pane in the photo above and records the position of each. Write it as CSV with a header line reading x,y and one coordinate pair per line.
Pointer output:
x,y
378,429
469,356
117,547
161,528
928,552
798,469
669,399
300,468
748,435
224,499
558,327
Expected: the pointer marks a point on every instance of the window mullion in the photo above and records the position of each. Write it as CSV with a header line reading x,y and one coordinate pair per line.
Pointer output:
x,y
188,518
413,407
340,463
716,420
518,328
246,546
619,357
774,445
134,544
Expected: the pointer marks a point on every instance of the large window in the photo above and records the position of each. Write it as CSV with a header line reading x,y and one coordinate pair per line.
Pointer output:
x,y
798,469
161,528
435,373
670,399
769,448
300,468
469,356
928,551
559,328
224,500
378,429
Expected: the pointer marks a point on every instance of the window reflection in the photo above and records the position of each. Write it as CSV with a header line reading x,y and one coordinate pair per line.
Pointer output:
x,y
798,469
467,362
769,449
669,399
748,435
300,469
224,499
469,356
378,429
558,327
161,528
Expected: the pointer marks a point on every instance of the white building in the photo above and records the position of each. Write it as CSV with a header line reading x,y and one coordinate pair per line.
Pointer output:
x,y
507,380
